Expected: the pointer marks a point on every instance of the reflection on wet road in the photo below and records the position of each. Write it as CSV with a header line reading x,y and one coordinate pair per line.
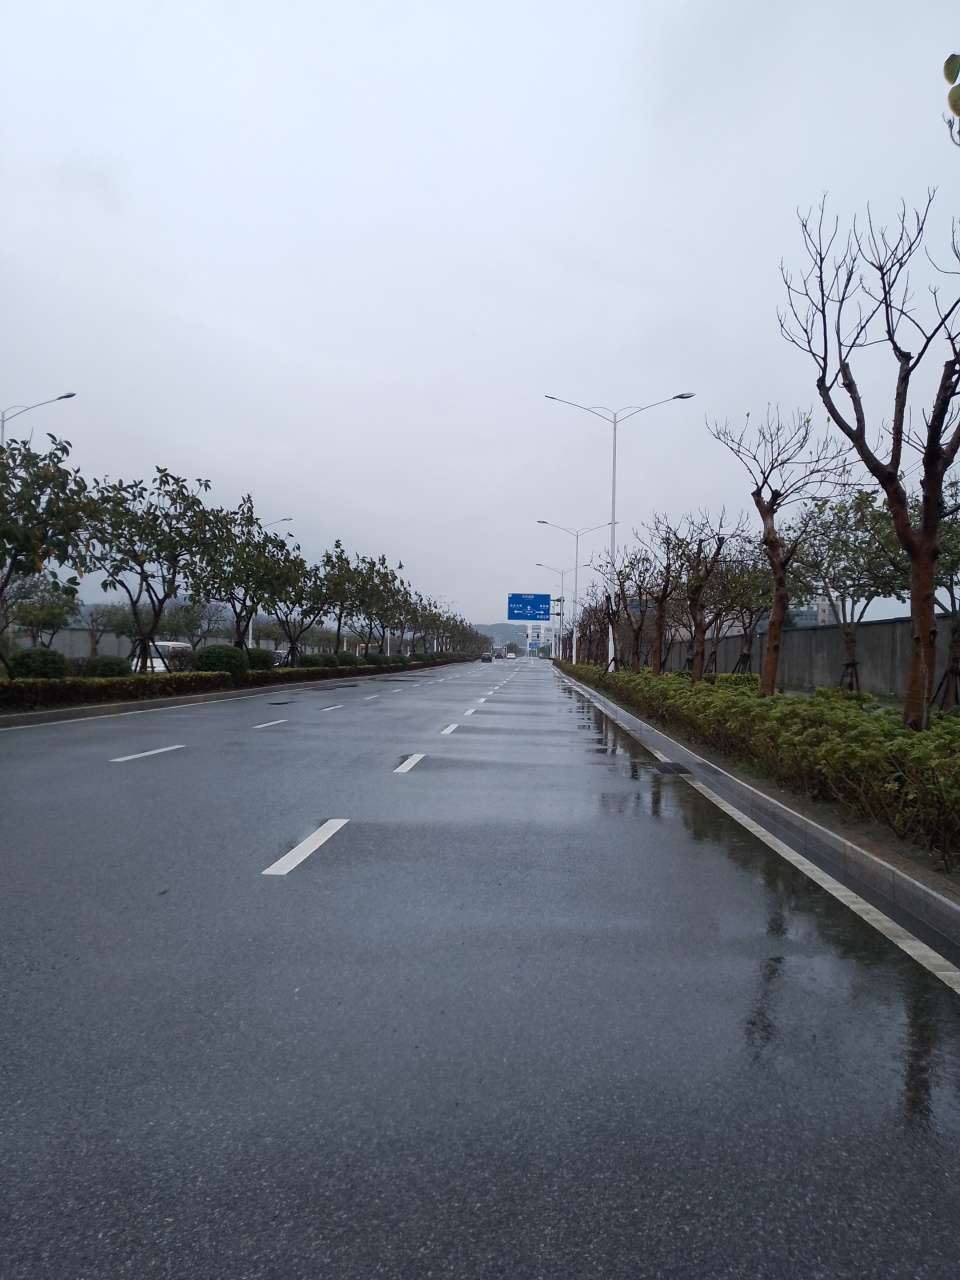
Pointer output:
x,y
536,1008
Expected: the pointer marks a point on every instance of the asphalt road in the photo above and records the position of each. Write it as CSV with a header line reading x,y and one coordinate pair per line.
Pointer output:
x,y
533,1009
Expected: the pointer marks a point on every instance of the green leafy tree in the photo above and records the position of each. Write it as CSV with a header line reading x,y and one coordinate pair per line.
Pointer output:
x,y
41,606
191,620
340,577
150,541
44,506
298,601
852,557
246,563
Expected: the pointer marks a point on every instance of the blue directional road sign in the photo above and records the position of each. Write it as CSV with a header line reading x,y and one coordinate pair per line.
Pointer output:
x,y
526,607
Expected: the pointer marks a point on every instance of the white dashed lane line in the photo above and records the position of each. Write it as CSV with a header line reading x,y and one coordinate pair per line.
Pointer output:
x,y
305,847
470,711
409,763
267,724
157,751
449,729
336,707
370,697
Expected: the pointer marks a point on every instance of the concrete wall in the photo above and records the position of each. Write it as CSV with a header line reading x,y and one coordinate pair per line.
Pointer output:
x,y
812,657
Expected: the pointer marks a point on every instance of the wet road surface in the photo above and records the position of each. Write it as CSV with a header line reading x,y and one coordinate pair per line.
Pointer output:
x,y
532,1008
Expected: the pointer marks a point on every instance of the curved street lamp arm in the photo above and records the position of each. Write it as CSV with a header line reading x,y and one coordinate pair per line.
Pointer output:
x,y
598,410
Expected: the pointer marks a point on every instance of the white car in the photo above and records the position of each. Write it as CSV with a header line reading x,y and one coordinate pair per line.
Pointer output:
x,y
164,655
511,657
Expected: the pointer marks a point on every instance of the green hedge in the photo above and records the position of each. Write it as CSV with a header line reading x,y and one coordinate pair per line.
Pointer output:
x,y
35,695
39,695
835,745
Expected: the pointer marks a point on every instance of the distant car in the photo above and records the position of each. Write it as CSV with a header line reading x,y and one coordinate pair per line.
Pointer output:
x,y
498,655
486,657
168,655
511,657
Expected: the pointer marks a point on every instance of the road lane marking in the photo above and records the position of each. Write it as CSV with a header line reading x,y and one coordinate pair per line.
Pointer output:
x,y
158,751
449,729
305,847
336,707
481,699
409,763
470,712
371,697
267,724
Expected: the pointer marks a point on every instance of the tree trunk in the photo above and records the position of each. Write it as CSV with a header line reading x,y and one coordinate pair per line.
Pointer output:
x,y
699,639
778,611
953,665
849,632
923,638
656,648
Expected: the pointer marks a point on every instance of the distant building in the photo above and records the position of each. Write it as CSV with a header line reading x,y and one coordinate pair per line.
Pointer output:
x,y
815,613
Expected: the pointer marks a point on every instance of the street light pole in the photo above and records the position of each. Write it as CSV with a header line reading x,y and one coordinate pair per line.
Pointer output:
x,y
563,573
615,417
15,410
575,534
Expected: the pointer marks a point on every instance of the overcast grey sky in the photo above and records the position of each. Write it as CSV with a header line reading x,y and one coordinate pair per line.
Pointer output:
x,y
335,254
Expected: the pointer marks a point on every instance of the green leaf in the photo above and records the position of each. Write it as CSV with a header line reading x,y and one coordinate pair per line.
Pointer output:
x,y
953,99
951,68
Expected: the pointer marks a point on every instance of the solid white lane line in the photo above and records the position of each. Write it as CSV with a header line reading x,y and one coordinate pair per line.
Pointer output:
x,y
158,751
449,729
267,723
305,848
336,707
371,697
470,712
920,952
409,763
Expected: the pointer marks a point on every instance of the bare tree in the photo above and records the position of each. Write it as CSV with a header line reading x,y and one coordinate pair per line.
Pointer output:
x,y
788,465
664,583
855,293
630,578
699,548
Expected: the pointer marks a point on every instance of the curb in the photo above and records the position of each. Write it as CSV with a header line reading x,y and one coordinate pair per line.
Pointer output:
x,y
63,715
928,915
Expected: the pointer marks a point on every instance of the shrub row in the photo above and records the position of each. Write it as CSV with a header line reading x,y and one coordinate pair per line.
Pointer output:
x,y
37,694
835,745
76,691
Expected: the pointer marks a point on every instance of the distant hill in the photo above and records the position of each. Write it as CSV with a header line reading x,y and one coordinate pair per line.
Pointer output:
x,y
503,632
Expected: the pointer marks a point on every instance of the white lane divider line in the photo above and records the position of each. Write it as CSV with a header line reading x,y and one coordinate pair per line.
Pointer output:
x,y
481,699
470,712
305,848
449,729
409,763
157,751
370,697
920,952
269,723
336,707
